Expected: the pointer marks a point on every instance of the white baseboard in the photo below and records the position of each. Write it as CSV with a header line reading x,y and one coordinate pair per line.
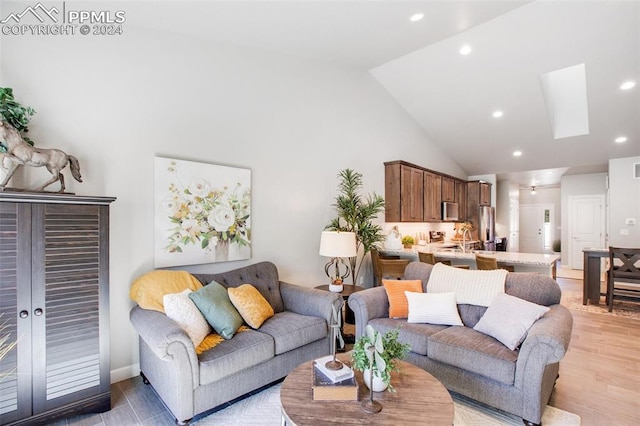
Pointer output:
x,y
125,373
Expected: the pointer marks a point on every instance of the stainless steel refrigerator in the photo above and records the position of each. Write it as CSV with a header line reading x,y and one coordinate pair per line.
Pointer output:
x,y
487,228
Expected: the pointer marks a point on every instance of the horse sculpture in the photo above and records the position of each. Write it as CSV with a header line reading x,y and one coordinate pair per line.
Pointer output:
x,y
21,153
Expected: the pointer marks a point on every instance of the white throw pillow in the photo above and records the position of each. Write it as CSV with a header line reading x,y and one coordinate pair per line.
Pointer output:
x,y
433,308
509,318
471,287
180,308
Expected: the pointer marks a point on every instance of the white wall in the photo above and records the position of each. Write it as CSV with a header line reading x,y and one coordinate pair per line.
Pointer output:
x,y
116,102
587,184
508,222
624,203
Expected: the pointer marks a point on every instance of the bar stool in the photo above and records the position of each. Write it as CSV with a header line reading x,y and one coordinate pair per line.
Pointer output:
x,y
487,263
387,268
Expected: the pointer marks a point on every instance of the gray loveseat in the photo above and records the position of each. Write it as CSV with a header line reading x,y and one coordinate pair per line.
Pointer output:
x,y
191,384
474,364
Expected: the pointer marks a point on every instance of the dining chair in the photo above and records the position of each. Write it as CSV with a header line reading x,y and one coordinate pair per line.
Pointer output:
x,y
384,267
488,263
623,276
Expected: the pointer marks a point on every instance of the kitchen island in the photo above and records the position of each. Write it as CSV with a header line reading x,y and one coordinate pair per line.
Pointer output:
x,y
521,262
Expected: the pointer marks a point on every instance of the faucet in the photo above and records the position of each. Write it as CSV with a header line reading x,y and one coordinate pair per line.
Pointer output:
x,y
464,239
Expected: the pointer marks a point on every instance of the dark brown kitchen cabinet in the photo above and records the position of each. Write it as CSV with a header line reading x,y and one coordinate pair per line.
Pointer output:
x,y
432,197
478,194
485,194
403,193
448,189
54,301
461,199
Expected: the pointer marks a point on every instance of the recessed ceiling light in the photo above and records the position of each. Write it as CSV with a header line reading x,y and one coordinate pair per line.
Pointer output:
x,y
517,153
416,17
621,139
628,85
465,50
497,114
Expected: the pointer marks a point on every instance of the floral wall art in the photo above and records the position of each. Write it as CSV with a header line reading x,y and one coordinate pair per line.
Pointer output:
x,y
202,213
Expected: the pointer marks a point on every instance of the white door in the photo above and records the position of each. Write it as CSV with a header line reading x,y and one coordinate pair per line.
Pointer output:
x,y
536,225
586,226
513,243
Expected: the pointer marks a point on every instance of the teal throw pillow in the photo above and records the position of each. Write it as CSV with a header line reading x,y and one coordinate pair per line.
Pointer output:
x,y
214,303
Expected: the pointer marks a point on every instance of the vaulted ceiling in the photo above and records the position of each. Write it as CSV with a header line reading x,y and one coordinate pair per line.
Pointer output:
x,y
453,96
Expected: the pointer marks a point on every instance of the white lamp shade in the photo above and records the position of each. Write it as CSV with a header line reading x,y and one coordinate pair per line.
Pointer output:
x,y
338,244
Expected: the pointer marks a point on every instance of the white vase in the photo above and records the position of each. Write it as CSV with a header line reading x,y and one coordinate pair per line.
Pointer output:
x,y
378,384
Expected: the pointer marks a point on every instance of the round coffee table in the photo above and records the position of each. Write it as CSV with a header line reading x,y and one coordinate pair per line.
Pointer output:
x,y
419,399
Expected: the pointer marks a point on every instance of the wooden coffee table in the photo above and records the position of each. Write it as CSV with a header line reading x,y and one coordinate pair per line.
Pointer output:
x,y
419,399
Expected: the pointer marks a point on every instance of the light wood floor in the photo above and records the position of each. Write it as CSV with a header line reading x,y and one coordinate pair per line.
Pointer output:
x,y
600,374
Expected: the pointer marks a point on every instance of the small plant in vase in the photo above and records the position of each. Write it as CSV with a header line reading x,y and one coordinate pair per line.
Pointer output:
x,y
408,241
380,352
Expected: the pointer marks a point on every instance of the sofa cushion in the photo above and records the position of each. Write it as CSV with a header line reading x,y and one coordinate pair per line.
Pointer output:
x,y
433,308
509,318
180,308
471,350
290,330
416,335
263,276
149,289
252,306
398,305
245,350
213,301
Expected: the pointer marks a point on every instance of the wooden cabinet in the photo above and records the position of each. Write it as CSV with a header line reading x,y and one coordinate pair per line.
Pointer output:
x,y
54,300
432,197
448,189
461,199
403,193
485,194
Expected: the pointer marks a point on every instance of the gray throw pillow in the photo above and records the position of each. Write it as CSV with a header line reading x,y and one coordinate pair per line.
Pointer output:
x,y
214,303
509,318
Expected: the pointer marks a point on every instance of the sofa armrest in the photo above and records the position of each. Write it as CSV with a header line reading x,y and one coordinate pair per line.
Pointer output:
x,y
310,301
367,305
167,340
546,343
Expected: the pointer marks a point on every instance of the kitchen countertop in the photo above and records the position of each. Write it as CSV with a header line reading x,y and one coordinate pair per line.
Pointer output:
x,y
506,257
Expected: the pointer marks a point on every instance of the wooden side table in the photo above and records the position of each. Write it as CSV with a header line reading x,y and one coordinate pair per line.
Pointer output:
x,y
349,317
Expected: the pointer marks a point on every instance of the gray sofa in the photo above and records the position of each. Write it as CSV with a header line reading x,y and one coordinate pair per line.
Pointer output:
x,y
476,365
191,384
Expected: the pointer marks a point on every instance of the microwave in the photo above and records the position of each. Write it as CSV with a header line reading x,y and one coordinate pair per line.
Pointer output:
x,y
449,211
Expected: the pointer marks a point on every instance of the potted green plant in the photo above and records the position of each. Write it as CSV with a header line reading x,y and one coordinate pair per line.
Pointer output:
x,y
15,114
380,352
408,241
355,214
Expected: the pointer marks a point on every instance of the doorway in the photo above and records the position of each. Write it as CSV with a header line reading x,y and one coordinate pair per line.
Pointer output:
x,y
586,226
536,228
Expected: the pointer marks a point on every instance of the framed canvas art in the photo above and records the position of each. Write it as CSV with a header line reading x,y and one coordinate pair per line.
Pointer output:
x,y
202,213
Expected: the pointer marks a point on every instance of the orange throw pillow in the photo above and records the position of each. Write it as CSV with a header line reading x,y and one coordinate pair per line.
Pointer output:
x,y
398,304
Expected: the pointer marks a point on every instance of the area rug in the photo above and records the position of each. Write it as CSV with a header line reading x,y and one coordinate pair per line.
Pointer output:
x,y
263,409
573,300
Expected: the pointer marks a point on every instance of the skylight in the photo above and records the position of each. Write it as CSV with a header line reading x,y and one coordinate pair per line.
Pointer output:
x,y
565,95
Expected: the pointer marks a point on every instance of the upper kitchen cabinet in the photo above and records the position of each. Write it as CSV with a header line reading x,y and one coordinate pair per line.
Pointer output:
x,y
403,192
448,189
461,198
432,197
478,194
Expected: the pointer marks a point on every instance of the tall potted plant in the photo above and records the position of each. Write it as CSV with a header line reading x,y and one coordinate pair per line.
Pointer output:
x,y
355,214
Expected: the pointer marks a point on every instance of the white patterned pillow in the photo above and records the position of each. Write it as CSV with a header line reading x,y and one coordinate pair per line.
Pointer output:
x,y
433,308
180,308
471,287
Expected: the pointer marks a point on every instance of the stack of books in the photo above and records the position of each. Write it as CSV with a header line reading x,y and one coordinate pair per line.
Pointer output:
x,y
333,385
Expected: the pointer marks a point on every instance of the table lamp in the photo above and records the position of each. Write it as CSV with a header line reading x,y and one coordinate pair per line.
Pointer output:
x,y
337,245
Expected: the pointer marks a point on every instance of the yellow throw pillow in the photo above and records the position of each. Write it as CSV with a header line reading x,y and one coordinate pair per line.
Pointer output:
x,y
149,289
398,304
253,307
